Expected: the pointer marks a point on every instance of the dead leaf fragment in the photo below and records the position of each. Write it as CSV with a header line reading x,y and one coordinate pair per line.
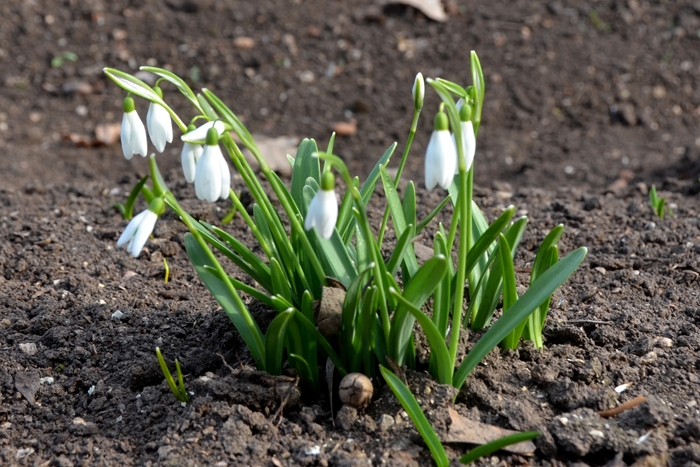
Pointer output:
x,y
27,384
431,8
463,430
274,151
108,133
345,128
244,43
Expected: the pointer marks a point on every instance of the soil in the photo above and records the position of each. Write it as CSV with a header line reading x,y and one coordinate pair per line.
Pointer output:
x,y
587,105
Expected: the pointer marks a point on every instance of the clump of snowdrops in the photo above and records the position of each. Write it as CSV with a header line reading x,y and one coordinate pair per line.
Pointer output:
x,y
329,245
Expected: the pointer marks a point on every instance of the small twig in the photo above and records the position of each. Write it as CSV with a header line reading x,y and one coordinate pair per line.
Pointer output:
x,y
284,401
226,364
622,407
588,321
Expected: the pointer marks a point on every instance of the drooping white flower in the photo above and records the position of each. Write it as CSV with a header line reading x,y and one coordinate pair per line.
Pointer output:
x,y
212,179
137,232
323,208
418,91
440,156
199,135
468,144
160,127
133,133
190,155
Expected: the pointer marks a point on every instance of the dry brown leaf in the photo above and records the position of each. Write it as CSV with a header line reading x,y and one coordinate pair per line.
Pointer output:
x,y
433,9
275,151
463,430
108,133
27,384
345,128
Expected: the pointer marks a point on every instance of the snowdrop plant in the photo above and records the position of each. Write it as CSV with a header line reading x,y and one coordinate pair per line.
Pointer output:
x,y
310,244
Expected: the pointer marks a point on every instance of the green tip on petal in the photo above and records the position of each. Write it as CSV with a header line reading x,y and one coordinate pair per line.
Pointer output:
x,y
129,105
157,206
328,181
212,137
191,127
465,113
441,121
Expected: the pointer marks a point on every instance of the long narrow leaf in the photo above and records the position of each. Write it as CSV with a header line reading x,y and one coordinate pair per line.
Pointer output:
x,y
327,348
392,266
178,82
397,214
368,187
496,445
410,405
275,341
231,303
552,279
305,166
432,214
133,85
434,336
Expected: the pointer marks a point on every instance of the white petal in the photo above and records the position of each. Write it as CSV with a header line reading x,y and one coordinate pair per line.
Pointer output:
x,y
469,142
125,135
190,154
446,157
159,126
207,179
200,134
144,231
225,176
431,161
130,229
322,213
139,145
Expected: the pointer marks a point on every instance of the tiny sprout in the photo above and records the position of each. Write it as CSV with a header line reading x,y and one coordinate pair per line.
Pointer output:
x,y
356,390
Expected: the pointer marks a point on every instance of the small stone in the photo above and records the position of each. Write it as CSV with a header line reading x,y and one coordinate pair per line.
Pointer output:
x,y
386,421
29,348
117,315
649,358
48,380
601,270
346,417
597,433
663,342
244,43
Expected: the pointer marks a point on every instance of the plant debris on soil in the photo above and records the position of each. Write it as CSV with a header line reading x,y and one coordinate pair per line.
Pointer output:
x,y
587,105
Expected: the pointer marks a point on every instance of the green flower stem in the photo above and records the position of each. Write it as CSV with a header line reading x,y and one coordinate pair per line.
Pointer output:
x,y
464,201
294,221
259,340
251,224
402,164
364,225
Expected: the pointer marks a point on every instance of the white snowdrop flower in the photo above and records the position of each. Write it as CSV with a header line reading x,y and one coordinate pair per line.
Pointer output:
x,y
212,178
133,133
468,138
160,127
323,208
418,91
441,155
140,228
199,135
190,155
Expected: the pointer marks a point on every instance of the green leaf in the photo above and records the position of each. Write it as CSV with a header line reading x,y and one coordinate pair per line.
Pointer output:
x,y
275,341
368,187
230,302
422,285
262,269
133,85
397,215
305,166
409,204
496,445
129,205
280,286
452,87
178,392
327,348
487,238
208,109
346,220
392,266
432,214
510,292
178,82
552,279
410,405
365,327
253,292
436,340
229,117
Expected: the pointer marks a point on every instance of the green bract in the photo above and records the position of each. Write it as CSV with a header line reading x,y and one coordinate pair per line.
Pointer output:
x,y
383,297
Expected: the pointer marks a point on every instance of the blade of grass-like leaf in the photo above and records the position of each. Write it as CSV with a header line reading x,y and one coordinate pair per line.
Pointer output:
x,y
552,279
280,286
496,445
392,266
133,85
432,214
253,292
494,282
397,215
327,348
541,264
510,292
231,303
487,238
129,205
441,299
346,220
305,166
178,82
250,257
410,405
454,88
228,116
365,326
168,376
208,109
422,285
409,203
434,336
368,187
275,341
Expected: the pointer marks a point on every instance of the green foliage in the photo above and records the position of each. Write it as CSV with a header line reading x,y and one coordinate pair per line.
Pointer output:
x,y
657,203
178,389
60,59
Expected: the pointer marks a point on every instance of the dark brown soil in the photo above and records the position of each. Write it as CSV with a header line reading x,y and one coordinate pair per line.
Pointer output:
x,y
587,105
